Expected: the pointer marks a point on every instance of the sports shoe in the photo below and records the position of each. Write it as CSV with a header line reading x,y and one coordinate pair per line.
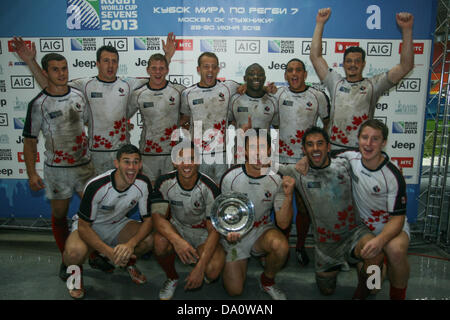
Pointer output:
x,y
273,291
101,263
302,256
168,289
136,275
63,272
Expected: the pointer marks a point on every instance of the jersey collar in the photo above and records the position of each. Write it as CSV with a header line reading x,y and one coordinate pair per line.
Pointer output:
x,y
113,182
382,164
107,81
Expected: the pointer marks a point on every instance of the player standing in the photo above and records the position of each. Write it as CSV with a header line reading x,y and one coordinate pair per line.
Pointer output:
x,y
60,113
158,102
353,98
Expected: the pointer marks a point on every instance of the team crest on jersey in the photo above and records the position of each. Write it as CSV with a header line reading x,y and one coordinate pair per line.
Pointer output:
x,y
197,101
132,203
121,92
267,108
362,90
221,96
376,189
268,194
78,106
172,101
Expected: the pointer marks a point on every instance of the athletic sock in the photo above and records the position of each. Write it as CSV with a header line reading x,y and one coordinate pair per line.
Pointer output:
x,y
266,281
60,229
397,293
302,223
167,263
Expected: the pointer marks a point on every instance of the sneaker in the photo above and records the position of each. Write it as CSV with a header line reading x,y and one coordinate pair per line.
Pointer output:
x,y
273,291
168,289
302,256
345,267
63,272
101,263
136,275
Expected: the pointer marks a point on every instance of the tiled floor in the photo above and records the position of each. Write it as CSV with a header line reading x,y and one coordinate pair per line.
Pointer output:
x,y
29,263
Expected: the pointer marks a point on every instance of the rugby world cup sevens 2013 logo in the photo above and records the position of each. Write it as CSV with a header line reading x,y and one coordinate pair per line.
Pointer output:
x,y
83,15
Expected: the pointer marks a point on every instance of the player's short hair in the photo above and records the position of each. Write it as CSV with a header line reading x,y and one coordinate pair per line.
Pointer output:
x,y
355,49
51,57
377,125
295,60
258,132
127,149
314,130
108,49
255,65
158,57
207,54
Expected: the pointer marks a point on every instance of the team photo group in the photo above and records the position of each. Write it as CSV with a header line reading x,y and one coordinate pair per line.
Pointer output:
x,y
331,173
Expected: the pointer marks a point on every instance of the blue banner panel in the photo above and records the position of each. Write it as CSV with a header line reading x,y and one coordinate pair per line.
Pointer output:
x,y
372,19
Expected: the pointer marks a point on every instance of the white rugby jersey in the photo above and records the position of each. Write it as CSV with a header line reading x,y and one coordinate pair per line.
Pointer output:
x,y
352,103
299,111
160,109
209,105
62,121
108,101
263,111
102,203
378,193
191,207
265,192
327,193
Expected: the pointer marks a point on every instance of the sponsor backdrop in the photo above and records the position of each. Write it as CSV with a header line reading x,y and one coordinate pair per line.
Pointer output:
x,y
267,32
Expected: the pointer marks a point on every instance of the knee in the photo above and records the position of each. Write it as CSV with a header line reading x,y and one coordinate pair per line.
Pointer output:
x,y
74,255
279,246
234,290
146,244
396,254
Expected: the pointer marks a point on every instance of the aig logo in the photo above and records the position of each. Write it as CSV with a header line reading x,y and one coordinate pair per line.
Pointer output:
x,y
247,46
306,47
52,45
121,44
22,82
379,49
185,80
408,85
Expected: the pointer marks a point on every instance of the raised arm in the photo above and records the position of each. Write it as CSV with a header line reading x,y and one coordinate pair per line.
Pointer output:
x,y
28,55
405,22
169,46
319,63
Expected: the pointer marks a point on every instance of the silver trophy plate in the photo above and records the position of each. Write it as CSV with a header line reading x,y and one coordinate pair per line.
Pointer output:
x,y
233,212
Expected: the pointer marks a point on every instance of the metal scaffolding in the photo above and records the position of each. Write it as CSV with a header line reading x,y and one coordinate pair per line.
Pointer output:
x,y
436,218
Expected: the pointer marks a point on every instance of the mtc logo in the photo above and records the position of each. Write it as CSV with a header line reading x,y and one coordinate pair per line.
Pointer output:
x,y
185,45
340,47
